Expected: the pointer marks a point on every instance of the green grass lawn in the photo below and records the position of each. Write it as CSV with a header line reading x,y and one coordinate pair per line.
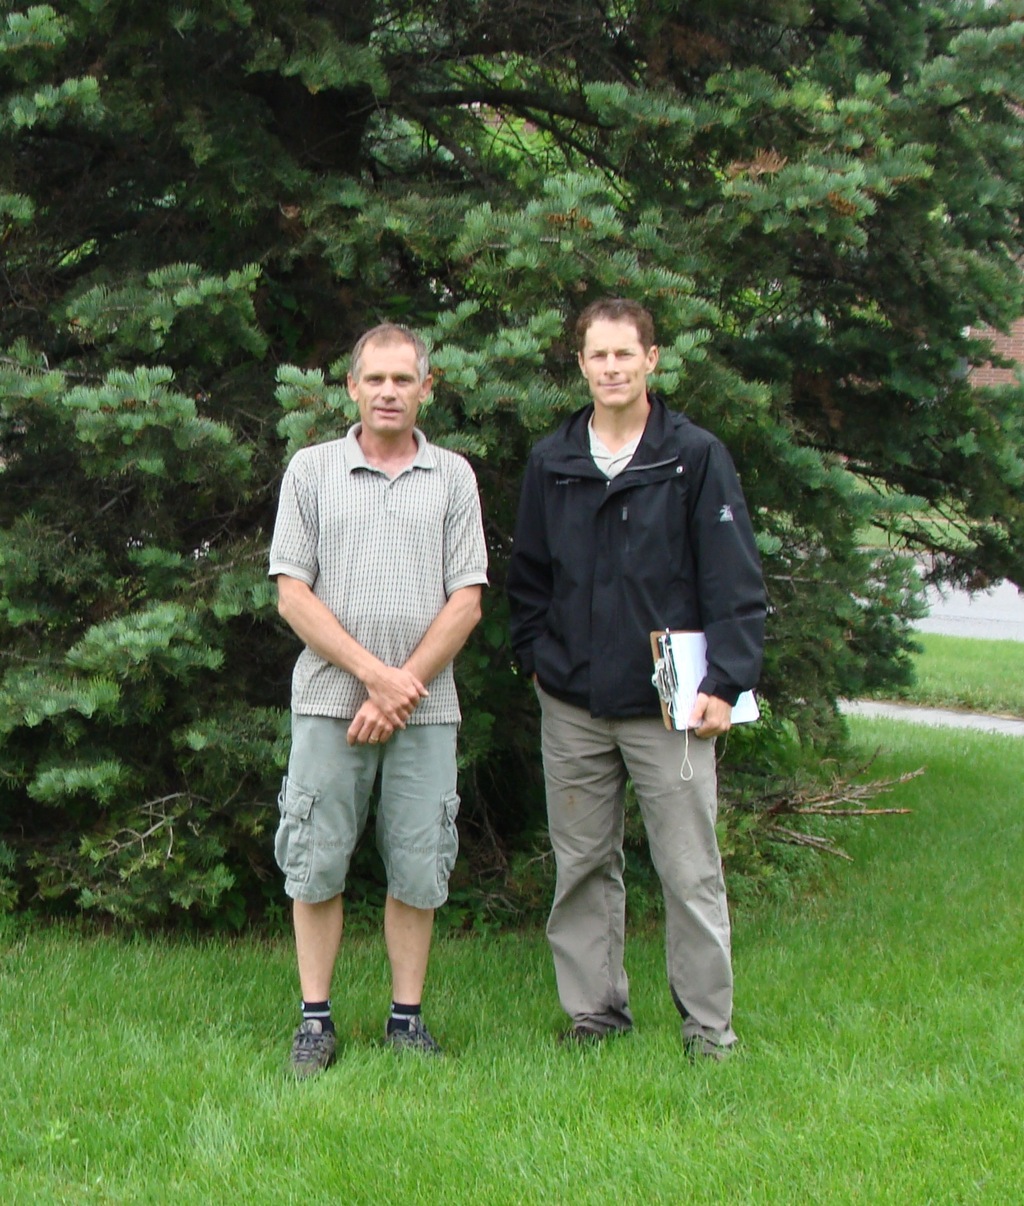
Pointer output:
x,y
882,1027
961,672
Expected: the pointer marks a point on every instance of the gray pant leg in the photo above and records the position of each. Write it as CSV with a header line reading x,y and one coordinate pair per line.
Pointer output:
x,y
585,781
680,820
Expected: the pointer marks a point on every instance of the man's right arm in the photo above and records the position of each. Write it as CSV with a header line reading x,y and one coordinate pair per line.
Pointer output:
x,y
395,691
530,580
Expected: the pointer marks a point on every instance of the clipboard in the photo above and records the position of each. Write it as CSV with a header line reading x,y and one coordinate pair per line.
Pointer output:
x,y
680,664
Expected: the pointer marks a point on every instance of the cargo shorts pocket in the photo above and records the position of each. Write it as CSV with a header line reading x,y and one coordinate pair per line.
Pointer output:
x,y
448,842
293,846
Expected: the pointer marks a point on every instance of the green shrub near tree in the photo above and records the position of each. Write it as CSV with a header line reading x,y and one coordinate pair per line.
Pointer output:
x,y
201,208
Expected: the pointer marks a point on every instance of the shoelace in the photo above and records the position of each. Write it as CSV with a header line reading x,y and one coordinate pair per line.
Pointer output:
x,y
307,1042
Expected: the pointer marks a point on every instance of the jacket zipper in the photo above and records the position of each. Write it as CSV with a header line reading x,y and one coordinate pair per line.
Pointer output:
x,y
654,465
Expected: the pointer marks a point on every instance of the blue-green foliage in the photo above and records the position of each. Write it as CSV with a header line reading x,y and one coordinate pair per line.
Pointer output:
x,y
202,207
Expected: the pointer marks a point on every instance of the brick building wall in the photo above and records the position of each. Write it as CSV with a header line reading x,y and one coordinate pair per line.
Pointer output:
x,y
1011,346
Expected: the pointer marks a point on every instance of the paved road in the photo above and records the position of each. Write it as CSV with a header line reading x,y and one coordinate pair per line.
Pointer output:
x,y
996,614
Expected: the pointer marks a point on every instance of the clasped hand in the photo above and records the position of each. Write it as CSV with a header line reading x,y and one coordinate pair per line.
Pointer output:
x,y
395,694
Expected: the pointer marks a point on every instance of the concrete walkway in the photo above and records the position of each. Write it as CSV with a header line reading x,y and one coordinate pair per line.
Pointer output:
x,y
996,614
935,717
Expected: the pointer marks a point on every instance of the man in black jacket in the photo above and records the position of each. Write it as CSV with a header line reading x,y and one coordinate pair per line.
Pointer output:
x,y
632,520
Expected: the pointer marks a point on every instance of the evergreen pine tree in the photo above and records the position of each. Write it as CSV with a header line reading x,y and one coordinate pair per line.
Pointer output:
x,y
201,207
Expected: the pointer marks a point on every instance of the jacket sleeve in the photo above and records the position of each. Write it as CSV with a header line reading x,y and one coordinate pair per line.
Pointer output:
x,y
530,578
730,586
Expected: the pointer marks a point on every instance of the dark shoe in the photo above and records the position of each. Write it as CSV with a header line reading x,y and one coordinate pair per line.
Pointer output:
x,y
312,1049
698,1047
416,1038
583,1035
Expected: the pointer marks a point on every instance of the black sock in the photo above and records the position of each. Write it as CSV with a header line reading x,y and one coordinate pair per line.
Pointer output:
x,y
401,1016
318,1011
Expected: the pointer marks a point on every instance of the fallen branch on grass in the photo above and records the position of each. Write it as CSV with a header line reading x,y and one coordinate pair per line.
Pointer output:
x,y
825,803
832,802
793,837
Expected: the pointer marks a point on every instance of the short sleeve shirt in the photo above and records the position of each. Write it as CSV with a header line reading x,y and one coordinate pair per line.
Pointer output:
x,y
610,463
384,554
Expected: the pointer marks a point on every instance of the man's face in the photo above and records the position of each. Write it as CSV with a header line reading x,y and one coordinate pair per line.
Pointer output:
x,y
389,390
615,364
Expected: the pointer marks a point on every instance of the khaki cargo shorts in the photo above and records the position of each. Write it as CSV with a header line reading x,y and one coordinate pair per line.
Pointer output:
x,y
325,802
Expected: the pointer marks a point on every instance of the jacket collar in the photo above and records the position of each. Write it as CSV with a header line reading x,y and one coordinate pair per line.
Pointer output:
x,y
657,443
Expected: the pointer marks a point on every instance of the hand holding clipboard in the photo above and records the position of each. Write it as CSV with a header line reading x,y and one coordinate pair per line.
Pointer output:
x,y
680,664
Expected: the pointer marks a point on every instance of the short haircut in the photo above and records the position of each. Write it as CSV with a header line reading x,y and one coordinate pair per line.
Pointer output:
x,y
390,332
616,309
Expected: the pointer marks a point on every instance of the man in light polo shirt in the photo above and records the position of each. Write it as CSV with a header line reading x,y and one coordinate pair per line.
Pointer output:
x,y
380,560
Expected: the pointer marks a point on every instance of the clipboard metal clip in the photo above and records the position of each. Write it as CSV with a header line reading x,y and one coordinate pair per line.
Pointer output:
x,y
664,677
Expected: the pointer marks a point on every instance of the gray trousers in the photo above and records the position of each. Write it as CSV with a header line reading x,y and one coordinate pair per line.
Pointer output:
x,y
586,764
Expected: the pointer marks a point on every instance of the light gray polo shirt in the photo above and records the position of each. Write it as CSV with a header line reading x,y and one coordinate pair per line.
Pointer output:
x,y
384,554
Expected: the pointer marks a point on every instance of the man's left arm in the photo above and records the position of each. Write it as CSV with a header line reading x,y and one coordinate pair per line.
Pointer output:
x,y
446,636
465,574
731,592
441,642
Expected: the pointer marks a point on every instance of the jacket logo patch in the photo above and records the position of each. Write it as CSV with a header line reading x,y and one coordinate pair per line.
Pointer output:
x,y
725,514
566,481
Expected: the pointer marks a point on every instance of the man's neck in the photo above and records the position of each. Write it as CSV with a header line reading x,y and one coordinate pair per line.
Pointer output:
x,y
391,456
616,428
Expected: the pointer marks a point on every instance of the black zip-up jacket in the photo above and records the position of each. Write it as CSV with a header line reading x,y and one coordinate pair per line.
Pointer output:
x,y
599,564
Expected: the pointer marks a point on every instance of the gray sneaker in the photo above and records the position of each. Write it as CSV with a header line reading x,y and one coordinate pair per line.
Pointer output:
x,y
698,1047
312,1049
416,1038
582,1035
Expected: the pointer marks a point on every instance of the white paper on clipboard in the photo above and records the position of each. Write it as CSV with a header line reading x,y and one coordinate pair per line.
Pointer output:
x,y
679,668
